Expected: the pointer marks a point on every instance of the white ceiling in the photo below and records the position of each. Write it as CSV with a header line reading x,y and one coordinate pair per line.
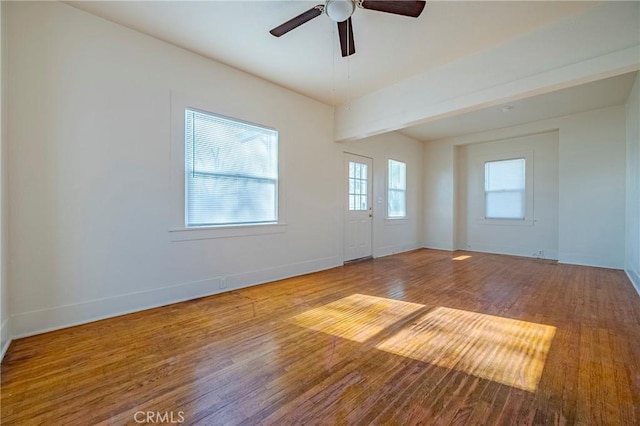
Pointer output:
x,y
389,48
598,94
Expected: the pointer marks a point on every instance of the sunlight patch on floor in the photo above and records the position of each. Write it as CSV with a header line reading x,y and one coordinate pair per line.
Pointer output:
x,y
504,350
462,257
357,317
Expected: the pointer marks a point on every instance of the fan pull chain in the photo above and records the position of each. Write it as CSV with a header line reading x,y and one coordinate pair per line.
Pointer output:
x,y
349,32
333,66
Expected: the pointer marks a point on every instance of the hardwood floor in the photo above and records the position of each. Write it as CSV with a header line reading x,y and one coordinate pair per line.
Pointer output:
x,y
485,340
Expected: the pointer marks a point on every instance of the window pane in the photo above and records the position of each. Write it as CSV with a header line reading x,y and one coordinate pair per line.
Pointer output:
x,y
504,183
358,182
231,171
505,205
504,175
397,175
394,179
363,202
397,204
228,201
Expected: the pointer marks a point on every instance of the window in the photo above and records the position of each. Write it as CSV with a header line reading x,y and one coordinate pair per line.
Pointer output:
x,y
504,189
358,179
397,190
231,171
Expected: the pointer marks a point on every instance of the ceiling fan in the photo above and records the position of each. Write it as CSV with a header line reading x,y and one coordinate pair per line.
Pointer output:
x,y
340,11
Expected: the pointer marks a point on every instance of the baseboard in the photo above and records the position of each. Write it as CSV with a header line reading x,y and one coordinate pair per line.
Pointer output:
x,y
391,250
41,321
439,245
589,260
5,338
512,251
634,277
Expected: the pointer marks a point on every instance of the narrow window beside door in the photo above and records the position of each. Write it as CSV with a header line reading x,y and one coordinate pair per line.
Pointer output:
x,y
397,190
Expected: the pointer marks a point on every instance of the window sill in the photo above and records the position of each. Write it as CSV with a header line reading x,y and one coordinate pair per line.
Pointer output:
x,y
507,222
212,232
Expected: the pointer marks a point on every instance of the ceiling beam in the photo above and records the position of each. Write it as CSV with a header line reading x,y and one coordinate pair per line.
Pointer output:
x,y
602,42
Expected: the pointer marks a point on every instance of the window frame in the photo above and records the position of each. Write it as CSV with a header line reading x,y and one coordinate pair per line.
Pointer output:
x,y
528,157
358,181
406,202
250,178
178,231
521,191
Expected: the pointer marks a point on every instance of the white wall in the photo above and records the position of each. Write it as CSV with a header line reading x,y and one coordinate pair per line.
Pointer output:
x,y
591,185
439,196
90,172
632,252
537,235
592,188
5,334
393,235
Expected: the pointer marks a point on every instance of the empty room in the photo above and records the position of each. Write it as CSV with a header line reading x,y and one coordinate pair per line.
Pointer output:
x,y
320,212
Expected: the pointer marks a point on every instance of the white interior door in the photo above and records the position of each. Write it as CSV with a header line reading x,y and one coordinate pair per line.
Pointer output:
x,y
358,207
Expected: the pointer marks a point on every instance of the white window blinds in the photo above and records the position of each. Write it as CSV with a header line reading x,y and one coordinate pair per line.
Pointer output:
x,y
504,185
397,190
231,171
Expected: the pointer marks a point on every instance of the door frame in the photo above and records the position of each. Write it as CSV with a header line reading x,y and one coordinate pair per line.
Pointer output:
x,y
344,191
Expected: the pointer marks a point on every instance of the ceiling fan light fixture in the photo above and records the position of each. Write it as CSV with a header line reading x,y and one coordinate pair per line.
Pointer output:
x,y
339,10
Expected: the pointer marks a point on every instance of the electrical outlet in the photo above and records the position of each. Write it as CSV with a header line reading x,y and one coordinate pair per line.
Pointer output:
x,y
223,283
541,254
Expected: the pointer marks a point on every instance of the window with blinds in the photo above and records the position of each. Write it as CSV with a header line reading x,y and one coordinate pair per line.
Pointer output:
x,y
504,189
231,171
397,190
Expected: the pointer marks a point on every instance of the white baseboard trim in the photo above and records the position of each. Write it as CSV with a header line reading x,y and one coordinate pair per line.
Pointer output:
x,y
391,250
44,320
513,251
5,338
634,277
438,245
588,260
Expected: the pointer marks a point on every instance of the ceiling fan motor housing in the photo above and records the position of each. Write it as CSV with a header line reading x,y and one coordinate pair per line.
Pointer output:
x,y
339,10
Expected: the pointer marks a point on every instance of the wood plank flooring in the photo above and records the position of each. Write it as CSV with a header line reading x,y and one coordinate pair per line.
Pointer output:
x,y
327,348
